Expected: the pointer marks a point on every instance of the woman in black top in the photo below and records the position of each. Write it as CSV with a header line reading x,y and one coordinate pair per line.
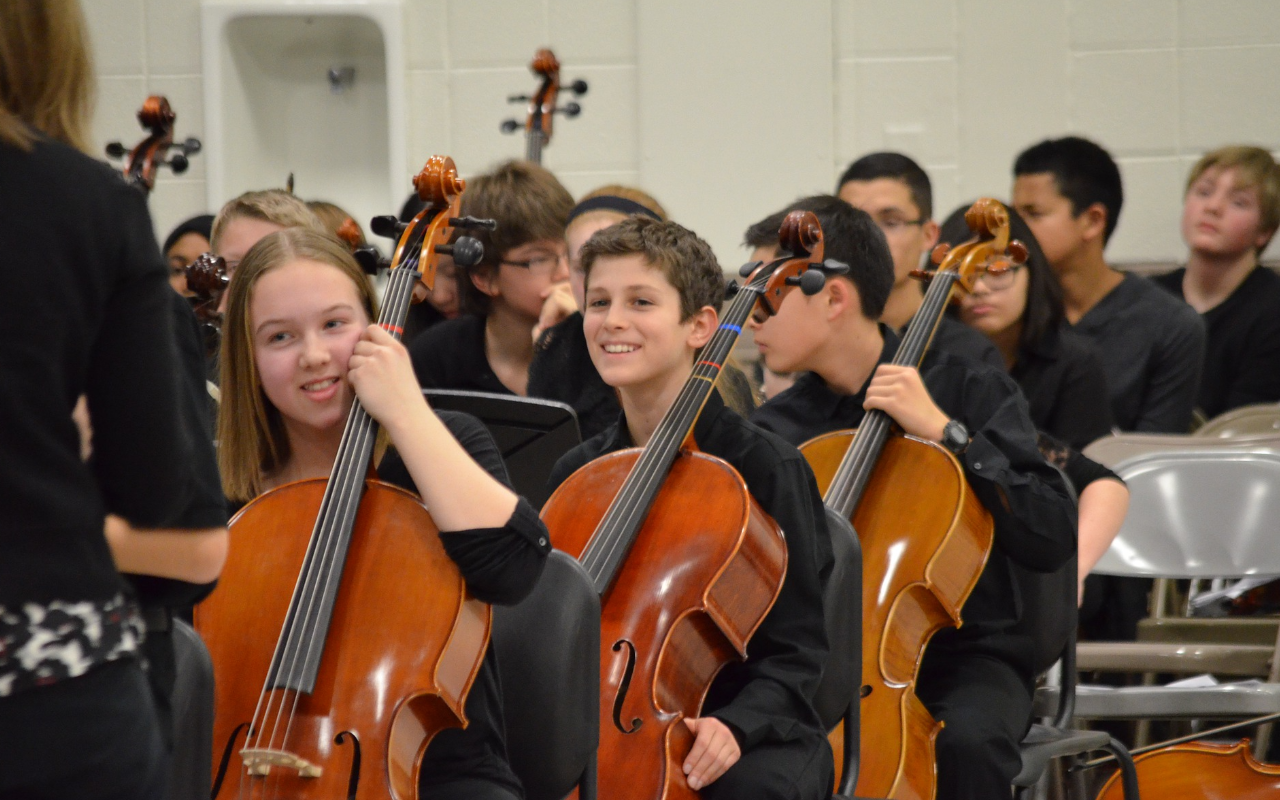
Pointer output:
x,y
86,310
298,350
1062,379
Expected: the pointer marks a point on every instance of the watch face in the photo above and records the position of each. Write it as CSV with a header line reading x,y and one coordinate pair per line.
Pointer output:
x,y
955,436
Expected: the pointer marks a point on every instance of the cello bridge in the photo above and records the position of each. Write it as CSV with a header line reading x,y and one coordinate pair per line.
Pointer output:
x,y
259,761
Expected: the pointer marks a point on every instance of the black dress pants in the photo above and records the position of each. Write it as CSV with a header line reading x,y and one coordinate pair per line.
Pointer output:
x,y
801,769
986,706
94,737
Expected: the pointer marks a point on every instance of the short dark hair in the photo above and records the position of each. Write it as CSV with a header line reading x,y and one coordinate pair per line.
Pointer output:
x,y
1084,172
897,167
849,236
529,205
686,261
1043,315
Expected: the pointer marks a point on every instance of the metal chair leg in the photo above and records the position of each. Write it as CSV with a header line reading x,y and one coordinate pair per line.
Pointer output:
x,y
1128,773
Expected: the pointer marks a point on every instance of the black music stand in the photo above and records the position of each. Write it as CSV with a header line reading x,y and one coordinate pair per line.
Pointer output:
x,y
531,434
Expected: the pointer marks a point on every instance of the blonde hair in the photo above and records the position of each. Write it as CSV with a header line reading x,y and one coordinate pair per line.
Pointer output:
x,y
1255,168
271,205
46,73
252,442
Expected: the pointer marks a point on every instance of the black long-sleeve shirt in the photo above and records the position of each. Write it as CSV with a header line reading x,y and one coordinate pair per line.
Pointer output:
x,y
451,355
768,697
1066,388
1034,516
1242,351
1151,347
562,370
85,308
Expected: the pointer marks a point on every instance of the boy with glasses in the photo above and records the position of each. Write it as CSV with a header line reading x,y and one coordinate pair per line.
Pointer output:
x,y
489,348
896,192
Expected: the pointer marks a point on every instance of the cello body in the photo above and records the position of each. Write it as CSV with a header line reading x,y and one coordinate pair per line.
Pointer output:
x,y
702,574
403,647
1200,771
925,539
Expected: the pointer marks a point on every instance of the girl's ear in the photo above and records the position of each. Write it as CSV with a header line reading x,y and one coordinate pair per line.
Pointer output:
x,y
485,278
702,326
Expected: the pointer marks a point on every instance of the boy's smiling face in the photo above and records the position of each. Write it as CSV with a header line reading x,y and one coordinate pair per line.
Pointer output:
x,y
633,327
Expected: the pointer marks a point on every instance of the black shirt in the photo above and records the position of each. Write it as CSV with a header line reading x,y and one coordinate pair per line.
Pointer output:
x,y
954,337
562,370
86,308
1151,348
1242,351
1035,519
500,565
1066,388
767,697
451,355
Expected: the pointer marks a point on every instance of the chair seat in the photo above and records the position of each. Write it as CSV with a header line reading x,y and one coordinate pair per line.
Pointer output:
x,y
1043,744
1248,699
1217,659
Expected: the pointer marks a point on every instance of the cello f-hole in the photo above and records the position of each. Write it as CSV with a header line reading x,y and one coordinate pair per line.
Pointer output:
x,y
227,752
636,722
353,782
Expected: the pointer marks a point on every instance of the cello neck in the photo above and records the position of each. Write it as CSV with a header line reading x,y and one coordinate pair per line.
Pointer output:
x,y
617,531
850,479
533,146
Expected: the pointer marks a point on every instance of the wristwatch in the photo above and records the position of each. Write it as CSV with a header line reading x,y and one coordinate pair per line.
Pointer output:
x,y
955,436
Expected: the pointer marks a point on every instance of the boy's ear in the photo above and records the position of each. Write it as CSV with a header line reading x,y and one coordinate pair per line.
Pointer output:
x,y
704,323
931,231
484,278
842,297
1093,222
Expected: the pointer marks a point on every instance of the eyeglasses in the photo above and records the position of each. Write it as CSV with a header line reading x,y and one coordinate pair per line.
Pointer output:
x,y
543,262
893,225
998,281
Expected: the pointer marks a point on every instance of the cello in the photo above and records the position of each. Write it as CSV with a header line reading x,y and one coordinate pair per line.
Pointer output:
x,y
922,551
542,105
342,634
145,159
675,608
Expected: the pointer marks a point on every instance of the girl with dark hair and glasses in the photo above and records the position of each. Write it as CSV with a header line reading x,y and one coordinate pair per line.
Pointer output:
x,y
1021,311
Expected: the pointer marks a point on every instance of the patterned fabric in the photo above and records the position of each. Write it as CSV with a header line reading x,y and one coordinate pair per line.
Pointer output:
x,y
44,644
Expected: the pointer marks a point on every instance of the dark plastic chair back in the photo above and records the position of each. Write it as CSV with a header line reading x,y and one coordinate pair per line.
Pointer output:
x,y
192,703
548,651
838,696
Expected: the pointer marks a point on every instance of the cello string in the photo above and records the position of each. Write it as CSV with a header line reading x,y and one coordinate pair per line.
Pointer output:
x,y
349,476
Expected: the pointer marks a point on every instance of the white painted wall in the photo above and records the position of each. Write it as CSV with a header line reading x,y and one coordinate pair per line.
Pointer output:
x,y
728,109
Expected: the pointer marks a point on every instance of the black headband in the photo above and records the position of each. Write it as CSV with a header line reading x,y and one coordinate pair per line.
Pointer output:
x,y
609,202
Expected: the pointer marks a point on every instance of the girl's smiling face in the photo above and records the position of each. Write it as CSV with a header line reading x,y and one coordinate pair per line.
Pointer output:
x,y
305,318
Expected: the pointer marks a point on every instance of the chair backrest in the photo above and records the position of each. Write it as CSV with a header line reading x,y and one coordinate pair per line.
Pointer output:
x,y
548,651
1256,420
842,607
1111,451
192,704
1199,513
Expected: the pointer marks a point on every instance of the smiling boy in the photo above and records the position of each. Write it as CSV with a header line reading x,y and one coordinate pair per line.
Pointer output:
x,y
1230,212
653,290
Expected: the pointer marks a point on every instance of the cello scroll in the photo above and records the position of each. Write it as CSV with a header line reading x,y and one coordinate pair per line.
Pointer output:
x,y
145,159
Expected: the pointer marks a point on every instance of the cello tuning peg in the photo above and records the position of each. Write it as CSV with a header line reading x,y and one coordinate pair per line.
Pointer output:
x,y
467,251
939,253
115,150
578,87
518,98
731,288
833,267
387,226
1018,252
369,259
178,163
751,266
192,146
570,110
472,223
509,126
810,281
